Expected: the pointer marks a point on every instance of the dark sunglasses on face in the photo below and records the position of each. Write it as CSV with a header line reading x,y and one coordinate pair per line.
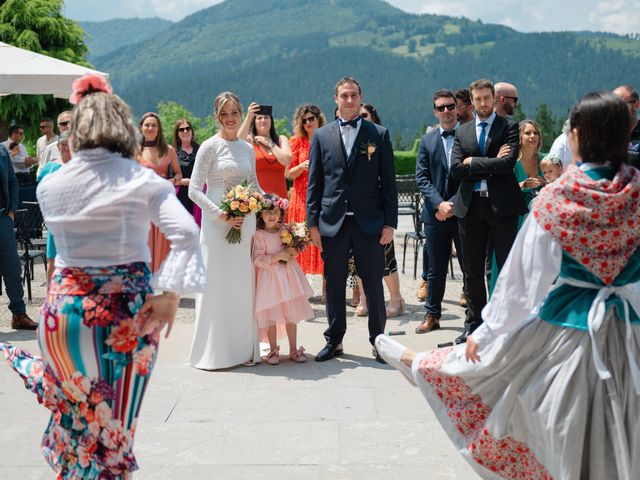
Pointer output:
x,y
364,115
449,106
64,124
308,119
515,99
184,129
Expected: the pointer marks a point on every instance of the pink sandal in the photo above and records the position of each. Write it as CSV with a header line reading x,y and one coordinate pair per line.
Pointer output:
x,y
274,356
298,356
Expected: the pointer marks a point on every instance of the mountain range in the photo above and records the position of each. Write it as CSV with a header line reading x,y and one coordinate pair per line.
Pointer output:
x,y
286,52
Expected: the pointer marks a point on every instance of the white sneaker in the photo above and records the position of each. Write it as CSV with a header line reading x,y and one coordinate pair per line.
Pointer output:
x,y
392,352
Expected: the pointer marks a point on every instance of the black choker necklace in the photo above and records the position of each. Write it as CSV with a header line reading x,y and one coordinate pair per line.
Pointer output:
x,y
150,143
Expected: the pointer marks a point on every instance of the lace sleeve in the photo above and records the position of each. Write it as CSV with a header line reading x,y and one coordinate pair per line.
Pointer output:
x,y
183,270
205,160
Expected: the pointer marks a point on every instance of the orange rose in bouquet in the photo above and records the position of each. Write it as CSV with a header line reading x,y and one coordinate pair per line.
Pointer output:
x,y
240,201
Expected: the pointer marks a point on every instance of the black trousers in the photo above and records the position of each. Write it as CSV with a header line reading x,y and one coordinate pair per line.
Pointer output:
x,y
439,236
475,229
369,257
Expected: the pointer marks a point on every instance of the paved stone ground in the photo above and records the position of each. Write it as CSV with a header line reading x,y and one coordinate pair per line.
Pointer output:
x,y
349,418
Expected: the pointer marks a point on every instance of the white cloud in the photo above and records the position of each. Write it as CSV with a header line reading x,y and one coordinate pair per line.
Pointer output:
x,y
620,16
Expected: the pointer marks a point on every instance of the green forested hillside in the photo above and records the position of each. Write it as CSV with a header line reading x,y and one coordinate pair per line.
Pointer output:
x,y
284,52
108,36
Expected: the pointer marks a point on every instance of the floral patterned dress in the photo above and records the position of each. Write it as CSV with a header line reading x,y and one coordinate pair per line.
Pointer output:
x,y
94,369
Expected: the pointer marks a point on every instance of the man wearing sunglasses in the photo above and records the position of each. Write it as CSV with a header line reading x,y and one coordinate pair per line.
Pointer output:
x,y
52,153
48,137
489,200
506,99
433,175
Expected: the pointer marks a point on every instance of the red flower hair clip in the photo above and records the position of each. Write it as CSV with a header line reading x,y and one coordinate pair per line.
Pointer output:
x,y
88,83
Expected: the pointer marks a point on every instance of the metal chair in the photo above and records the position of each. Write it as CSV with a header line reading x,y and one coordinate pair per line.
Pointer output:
x,y
28,222
416,236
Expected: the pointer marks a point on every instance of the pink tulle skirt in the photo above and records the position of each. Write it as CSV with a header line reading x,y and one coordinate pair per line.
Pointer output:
x,y
282,297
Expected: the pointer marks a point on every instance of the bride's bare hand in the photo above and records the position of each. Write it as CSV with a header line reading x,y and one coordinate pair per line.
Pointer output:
x,y
235,222
160,310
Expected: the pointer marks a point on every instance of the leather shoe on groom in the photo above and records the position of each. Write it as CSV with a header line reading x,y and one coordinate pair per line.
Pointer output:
x,y
328,352
461,339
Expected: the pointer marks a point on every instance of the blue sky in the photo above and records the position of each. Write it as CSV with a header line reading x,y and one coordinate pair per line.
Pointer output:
x,y
619,16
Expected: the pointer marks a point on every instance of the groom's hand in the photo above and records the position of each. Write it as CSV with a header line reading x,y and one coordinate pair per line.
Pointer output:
x,y
386,236
314,232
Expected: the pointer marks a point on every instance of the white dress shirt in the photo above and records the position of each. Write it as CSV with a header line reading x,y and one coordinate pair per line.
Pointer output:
x,y
18,161
489,122
349,135
447,143
99,207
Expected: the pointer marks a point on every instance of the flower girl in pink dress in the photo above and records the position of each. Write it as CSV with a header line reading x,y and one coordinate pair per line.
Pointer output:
x,y
282,291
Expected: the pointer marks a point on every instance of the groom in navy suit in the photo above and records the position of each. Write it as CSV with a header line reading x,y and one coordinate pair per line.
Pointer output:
x,y
352,204
433,175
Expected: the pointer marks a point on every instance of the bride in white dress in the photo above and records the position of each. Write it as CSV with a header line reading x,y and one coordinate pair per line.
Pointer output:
x,y
225,332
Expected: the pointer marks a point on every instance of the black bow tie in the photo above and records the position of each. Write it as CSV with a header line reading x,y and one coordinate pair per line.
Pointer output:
x,y
350,123
448,133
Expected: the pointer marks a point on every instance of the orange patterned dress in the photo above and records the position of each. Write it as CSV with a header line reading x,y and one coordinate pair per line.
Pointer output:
x,y
309,259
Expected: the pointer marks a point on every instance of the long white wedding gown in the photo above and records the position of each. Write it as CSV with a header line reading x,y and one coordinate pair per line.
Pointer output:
x,y
225,332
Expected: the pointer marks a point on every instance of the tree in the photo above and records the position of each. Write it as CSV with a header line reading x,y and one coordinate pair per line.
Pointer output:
x,y
548,126
38,26
170,112
518,114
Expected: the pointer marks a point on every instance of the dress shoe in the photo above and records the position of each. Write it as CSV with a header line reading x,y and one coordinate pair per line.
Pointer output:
x,y
22,321
392,352
429,324
421,293
328,352
463,300
377,356
395,309
461,339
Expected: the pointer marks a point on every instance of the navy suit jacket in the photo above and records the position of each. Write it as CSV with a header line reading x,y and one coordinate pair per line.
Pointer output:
x,y
433,176
367,185
505,196
9,182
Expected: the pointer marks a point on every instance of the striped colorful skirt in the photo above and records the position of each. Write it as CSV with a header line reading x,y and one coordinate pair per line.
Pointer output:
x,y
94,369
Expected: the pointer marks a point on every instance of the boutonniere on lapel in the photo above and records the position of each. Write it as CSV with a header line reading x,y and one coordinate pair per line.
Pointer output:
x,y
368,149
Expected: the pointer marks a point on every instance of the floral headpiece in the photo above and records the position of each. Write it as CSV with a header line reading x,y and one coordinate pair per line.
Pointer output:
x,y
273,201
87,84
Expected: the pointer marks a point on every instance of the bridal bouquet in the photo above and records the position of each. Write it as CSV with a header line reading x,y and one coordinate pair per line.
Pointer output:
x,y
239,201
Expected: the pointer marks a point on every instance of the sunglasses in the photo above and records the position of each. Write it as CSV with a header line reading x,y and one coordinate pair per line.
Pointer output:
x,y
515,99
308,119
184,129
364,115
64,124
449,106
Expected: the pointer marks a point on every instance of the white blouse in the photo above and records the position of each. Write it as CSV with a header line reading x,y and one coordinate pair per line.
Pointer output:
x,y
99,207
531,268
221,164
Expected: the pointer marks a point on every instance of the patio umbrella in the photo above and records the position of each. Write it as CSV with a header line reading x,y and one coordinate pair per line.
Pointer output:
x,y
25,72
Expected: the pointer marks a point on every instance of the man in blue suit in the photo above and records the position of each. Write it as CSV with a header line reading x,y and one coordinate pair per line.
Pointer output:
x,y
352,204
433,167
9,261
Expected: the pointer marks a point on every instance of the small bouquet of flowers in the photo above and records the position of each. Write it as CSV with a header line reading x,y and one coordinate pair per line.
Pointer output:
x,y
239,201
295,235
